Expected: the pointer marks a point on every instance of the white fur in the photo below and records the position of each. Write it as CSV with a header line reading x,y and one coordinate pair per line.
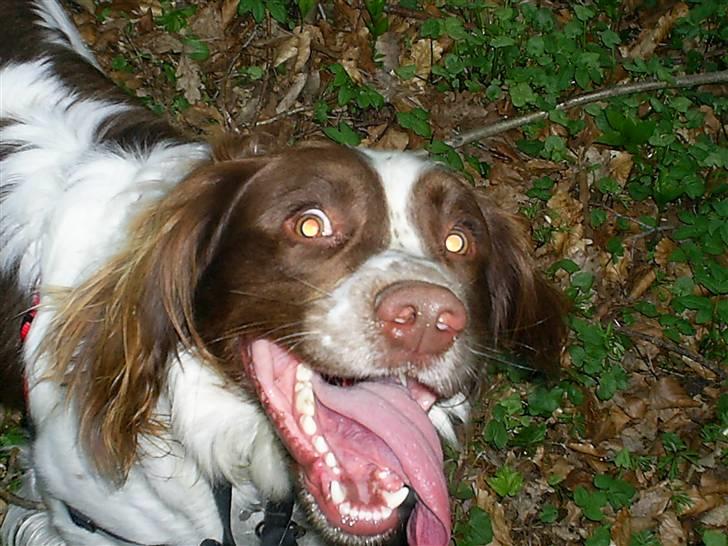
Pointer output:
x,y
399,173
61,29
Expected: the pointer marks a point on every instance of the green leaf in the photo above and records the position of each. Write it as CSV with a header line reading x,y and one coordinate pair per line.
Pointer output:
x,y
343,134
522,94
278,9
496,434
583,13
506,482
590,502
305,6
255,7
582,280
549,513
609,38
416,120
454,28
502,41
432,28
406,72
600,537
598,217
715,538
196,49
477,531
619,492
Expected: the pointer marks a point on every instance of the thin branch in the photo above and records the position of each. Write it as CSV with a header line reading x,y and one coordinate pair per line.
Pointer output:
x,y
673,348
12,498
587,98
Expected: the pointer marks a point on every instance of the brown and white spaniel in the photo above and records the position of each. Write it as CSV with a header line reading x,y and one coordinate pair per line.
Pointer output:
x,y
308,322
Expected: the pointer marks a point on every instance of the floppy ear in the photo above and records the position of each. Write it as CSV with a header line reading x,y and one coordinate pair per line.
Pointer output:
x,y
527,312
114,335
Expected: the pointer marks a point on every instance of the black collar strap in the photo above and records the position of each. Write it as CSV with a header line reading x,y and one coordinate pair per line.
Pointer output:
x,y
278,527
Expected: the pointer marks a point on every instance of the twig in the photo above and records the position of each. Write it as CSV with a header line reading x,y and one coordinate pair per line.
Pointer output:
x,y
11,498
587,98
674,348
287,113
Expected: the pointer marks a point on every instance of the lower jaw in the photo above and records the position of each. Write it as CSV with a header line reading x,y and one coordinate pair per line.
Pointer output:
x,y
342,535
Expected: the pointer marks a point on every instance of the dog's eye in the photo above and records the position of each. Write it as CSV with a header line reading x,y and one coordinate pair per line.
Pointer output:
x,y
457,242
313,223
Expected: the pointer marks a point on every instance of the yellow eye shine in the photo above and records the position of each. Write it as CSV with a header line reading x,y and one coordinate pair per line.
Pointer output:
x,y
456,242
310,226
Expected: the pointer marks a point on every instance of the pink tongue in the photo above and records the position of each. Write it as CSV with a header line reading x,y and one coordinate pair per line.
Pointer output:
x,y
389,412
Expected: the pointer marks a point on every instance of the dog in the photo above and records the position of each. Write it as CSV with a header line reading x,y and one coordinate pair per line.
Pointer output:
x,y
200,329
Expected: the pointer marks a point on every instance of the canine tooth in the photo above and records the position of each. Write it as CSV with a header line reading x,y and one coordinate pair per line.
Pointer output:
x,y
394,499
338,493
308,425
320,444
403,379
305,402
385,512
303,373
330,460
344,508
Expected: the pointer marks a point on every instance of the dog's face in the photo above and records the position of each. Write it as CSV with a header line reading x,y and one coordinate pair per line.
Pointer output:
x,y
348,292
351,290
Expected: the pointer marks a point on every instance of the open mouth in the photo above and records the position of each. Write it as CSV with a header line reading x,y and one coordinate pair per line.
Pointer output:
x,y
361,448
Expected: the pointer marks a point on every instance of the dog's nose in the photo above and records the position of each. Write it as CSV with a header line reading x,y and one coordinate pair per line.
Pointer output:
x,y
419,318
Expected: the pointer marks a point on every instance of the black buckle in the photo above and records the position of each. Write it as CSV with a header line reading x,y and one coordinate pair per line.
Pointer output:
x,y
277,527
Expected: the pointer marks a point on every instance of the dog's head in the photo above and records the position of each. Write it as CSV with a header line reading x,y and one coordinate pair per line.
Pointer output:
x,y
348,291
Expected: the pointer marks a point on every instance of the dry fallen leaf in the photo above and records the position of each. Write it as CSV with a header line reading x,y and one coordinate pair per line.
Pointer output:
x,y
669,393
649,39
188,79
670,531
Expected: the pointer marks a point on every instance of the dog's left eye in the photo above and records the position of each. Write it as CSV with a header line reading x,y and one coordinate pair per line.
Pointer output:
x,y
313,223
457,242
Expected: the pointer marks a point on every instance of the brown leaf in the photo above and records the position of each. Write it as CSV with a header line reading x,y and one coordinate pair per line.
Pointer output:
x,y
289,99
717,517
641,286
622,528
424,54
387,47
207,23
670,531
393,139
501,528
652,502
649,39
668,393
620,167
229,11
188,79
159,43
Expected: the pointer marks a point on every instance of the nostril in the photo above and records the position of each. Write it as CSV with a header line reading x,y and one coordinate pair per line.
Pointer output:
x,y
406,315
453,321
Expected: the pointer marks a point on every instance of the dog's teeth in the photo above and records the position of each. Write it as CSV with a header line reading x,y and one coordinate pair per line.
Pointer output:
x,y
338,493
385,512
403,379
366,515
308,425
305,402
330,460
354,513
394,499
344,508
320,444
303,373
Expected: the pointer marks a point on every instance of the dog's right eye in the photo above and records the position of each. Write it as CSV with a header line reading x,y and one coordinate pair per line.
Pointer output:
x,y
313,223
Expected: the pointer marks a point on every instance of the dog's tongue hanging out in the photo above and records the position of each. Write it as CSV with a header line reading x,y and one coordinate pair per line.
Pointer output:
x,y
359,448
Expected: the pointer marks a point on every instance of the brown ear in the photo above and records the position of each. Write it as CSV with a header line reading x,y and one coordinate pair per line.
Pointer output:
x,y
114,335
527,312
